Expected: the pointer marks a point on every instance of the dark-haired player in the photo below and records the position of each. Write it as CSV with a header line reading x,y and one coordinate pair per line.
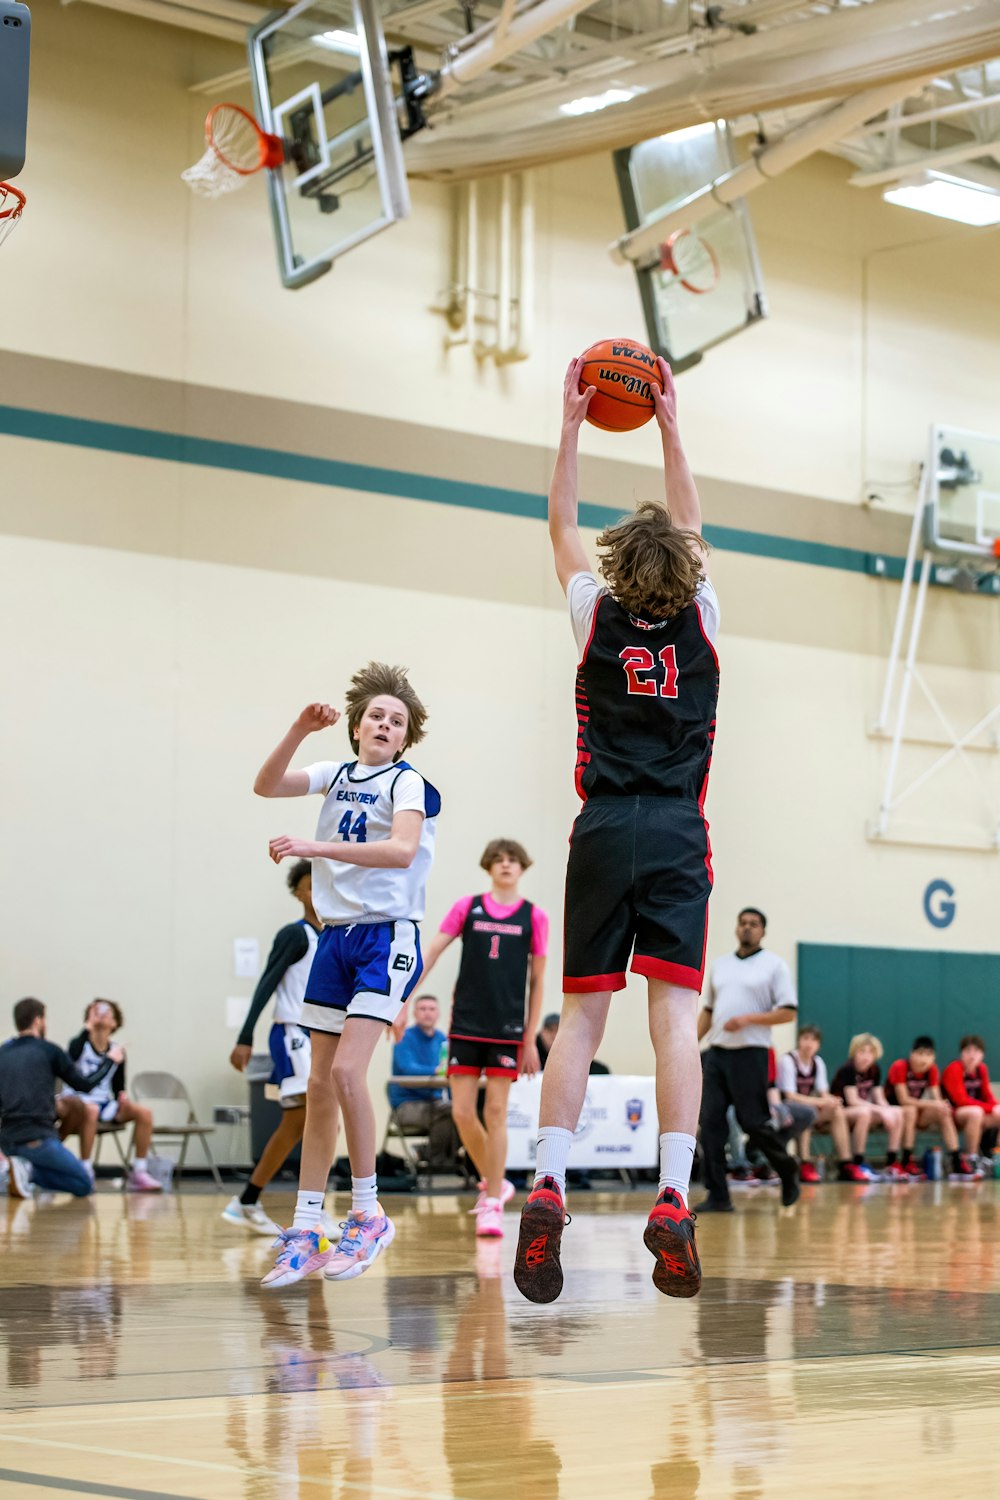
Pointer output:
x,y
492,1032
966,1084
108,1101
803,1079
284,977
640,870
914,1084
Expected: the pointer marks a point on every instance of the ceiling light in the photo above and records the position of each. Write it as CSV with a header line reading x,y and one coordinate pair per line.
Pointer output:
x,y
590,104
947,198
339,41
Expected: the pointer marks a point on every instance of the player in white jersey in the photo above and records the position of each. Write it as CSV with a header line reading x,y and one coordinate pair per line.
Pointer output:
x,y
371,858
285,975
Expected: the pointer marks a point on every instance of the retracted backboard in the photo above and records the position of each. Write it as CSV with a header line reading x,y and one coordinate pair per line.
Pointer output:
x,y
963,509
703,285
322,81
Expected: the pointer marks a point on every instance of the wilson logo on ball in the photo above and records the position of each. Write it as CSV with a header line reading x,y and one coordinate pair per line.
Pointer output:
x,y
634,384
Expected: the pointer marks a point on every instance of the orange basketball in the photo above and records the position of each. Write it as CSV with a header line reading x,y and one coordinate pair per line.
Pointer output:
x,y
623,373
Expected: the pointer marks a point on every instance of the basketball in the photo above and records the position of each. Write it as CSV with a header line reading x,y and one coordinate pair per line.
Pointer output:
x,y
623,373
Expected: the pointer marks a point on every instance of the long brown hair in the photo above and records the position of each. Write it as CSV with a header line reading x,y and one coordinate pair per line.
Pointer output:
x,y
651,566
380,681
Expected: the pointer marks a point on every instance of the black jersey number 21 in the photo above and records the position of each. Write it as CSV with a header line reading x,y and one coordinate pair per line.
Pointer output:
x,y
641,670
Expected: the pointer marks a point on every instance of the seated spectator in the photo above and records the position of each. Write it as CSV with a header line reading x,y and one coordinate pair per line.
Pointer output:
x,y
547,1035
914,1084
418,1054
107,1102
803,1081
859,1084
29,1068
966,1085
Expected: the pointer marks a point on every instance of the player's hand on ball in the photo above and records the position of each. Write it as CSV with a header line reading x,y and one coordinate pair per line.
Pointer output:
x,y
240,1057
316,716
575,401
286,848
530,1061
665,405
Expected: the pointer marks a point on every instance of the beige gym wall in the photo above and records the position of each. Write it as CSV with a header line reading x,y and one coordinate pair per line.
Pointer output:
x,y
161,622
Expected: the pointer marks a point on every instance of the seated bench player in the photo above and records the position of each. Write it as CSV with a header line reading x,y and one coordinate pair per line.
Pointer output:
x,y
107,1103
803,1080
914,1084
859,1084
966,1085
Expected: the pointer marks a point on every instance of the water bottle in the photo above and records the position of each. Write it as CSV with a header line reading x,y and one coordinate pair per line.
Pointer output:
x,y
996,1161
442,1067
821,1168
932,1164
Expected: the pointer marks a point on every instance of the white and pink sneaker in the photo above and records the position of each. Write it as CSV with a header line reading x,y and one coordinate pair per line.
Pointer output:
x,y
362,1241
489,1220
507,1191
139,1181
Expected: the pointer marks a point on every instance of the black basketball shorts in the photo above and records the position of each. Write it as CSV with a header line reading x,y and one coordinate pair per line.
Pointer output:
x,y
639,878
471,1057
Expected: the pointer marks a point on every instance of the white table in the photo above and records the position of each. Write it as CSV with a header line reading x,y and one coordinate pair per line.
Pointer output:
x,y
618,1125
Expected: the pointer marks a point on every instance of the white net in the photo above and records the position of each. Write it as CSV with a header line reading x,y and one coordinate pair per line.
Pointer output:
x,y
235,150
11,208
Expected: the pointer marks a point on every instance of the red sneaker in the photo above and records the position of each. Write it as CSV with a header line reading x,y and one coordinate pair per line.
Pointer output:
x,y
895,1173
669,1236
808,1173
537,1268
849,1171
913,1169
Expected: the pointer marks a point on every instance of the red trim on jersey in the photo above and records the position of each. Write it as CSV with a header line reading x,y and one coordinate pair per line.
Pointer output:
x,y
490,1041
583,709
593,984
701,627
655,968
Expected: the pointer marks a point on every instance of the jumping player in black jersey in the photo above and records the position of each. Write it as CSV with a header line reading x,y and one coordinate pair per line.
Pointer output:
x,y
640,864
504,943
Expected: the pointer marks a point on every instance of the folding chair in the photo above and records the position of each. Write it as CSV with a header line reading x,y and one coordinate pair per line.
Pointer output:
x,y
405,1135
116,1129
150,1088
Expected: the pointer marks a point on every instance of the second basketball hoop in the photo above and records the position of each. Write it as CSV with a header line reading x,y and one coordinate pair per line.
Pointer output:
x,y
236,148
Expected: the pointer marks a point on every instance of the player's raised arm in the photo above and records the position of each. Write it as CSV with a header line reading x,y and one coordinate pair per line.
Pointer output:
x,y
274,779
681,491
567,546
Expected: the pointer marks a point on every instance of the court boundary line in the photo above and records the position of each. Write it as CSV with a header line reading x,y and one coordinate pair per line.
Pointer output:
x,y
331,473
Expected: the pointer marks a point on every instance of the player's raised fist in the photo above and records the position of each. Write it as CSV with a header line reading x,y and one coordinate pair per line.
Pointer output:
x,y
317,716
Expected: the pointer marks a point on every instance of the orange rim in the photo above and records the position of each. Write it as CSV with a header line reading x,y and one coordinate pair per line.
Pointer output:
x,y
8,190
668,263
270,148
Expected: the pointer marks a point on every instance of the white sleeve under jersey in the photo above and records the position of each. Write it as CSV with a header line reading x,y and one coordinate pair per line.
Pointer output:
x,y
787,1078
583,594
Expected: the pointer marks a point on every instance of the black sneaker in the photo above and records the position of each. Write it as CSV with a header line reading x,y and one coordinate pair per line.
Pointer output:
x,y
537,1267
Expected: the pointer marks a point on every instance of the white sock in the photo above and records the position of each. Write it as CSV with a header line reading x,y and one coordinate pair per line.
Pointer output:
x,y
676,1158
138,1164
364,1195
553,1155
308,1209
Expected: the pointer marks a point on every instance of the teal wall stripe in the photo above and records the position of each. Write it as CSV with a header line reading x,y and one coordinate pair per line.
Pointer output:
x,y
245,458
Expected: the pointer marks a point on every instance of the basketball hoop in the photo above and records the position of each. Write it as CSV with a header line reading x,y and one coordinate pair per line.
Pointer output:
x,y
236,149
691,260
12,202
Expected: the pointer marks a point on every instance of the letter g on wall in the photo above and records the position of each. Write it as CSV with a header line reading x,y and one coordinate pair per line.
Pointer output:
x,y
939,903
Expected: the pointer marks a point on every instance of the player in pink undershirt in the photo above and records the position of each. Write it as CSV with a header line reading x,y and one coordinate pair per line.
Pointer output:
x,y
493,1024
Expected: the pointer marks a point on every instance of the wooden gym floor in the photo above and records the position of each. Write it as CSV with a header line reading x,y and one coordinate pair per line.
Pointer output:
x,y
848,1347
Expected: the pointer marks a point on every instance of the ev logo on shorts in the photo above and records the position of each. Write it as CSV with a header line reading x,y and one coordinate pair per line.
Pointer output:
x,y
403,962
939,903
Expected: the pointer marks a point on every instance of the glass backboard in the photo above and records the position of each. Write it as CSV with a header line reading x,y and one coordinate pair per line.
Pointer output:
x,y
963,511
322,81
703,286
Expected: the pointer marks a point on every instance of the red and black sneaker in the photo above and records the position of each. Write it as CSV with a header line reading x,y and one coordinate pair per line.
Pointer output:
x,y
537,1268
669,1236
808,1173
914,1170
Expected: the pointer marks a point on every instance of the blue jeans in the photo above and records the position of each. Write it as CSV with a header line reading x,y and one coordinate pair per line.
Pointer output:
x,y
55,1169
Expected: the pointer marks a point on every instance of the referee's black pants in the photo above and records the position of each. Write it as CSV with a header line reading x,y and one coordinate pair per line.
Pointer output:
x,y
737,1076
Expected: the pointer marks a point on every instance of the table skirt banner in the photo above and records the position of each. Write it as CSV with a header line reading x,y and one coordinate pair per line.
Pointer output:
x,y
618,1126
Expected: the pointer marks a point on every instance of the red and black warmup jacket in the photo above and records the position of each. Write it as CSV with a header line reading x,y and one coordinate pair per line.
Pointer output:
x,y
962,1088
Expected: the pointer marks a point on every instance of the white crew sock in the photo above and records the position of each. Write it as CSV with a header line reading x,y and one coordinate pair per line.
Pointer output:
x,y
138,1164
364,1195
676,1158
308,1209
553,1155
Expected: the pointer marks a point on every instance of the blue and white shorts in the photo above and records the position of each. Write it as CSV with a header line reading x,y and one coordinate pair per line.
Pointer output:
x,y
291,1054
367,969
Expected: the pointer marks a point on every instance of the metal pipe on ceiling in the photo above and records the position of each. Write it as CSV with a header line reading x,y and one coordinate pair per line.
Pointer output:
x,y
927,161
525,28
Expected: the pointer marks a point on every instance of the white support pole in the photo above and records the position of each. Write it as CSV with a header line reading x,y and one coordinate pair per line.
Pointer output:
x,y
504,264
902,608
471,61
904,693
818,131
525,268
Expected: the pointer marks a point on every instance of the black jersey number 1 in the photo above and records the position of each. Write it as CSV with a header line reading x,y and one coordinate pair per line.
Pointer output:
x,y
639,663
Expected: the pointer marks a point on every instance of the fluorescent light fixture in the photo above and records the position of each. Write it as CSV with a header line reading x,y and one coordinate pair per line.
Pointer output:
x,y
947,198
339,41
590,104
